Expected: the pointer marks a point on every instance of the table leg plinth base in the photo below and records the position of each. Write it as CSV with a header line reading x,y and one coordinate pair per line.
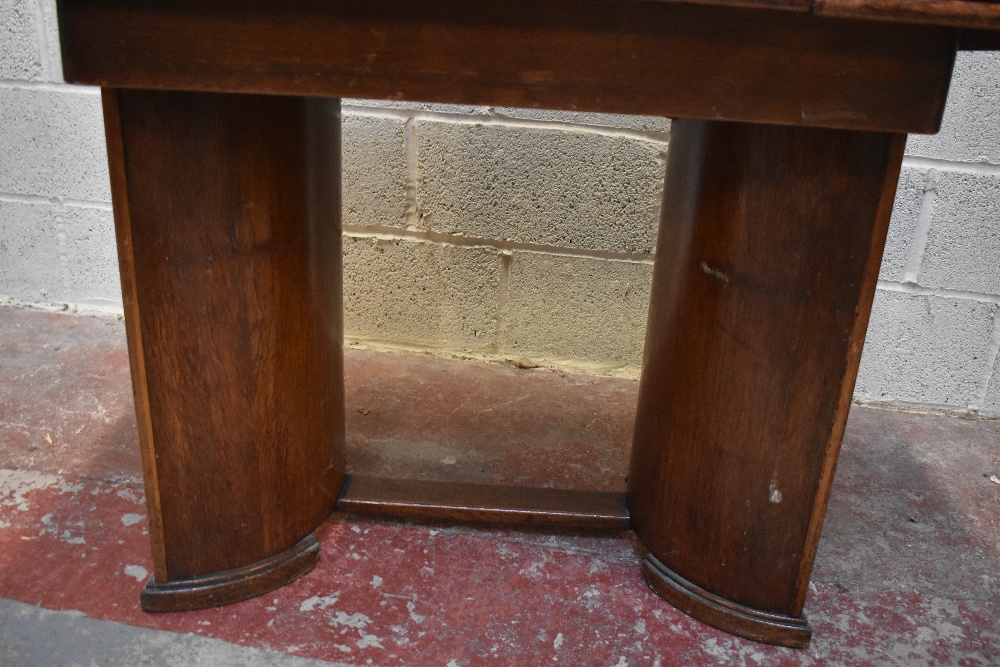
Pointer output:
x,y
731,617
234,585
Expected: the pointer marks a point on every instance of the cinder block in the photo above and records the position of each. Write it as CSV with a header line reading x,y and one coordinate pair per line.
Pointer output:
x,y
58,254
374,170
653,124
580,309
90,271
52,144
970,131
905,211
29,252
564,188
19,53
421,293
925,349
963,243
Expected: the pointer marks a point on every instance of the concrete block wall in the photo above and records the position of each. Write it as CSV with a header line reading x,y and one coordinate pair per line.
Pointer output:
x,y
501,233
935,327
517,234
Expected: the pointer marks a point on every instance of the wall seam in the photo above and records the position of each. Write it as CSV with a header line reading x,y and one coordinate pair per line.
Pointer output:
x,y
566,364
50,86
654,224
917,290
36,200
985,168
63,247
42,41
506,121
111,310
991,359
918,407
396,234
413,215
503,300
921,230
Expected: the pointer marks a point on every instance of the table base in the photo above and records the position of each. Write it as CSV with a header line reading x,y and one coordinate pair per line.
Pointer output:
x,y
227,209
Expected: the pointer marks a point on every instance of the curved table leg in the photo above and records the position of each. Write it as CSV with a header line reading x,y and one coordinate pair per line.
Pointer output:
x,y
768,254
227,210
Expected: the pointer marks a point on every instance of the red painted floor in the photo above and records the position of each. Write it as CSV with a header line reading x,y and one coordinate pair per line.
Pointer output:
x,y
908,572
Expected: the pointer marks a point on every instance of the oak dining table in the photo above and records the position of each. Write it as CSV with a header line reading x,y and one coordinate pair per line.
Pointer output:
x,y
789,123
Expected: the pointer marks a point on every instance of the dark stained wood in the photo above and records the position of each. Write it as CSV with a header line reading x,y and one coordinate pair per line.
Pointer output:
x,y
484,503
133,328
657,58
788,5
228,210
956,13
232,585
768,256
852,354
984,14
979,40
725,614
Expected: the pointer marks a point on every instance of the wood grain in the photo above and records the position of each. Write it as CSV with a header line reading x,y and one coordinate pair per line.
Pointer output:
x,y
983,14
232,247
852,360
484,503
133,327
668,59
761,292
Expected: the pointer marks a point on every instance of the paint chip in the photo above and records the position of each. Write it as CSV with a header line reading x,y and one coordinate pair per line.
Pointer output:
x,y
131,519
127,494
411,607
995,479
15,484
357,620
138,571
319,602
774,494
376,581
715,273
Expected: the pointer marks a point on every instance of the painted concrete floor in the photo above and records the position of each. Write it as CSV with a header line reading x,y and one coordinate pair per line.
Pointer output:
x,y
908,571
